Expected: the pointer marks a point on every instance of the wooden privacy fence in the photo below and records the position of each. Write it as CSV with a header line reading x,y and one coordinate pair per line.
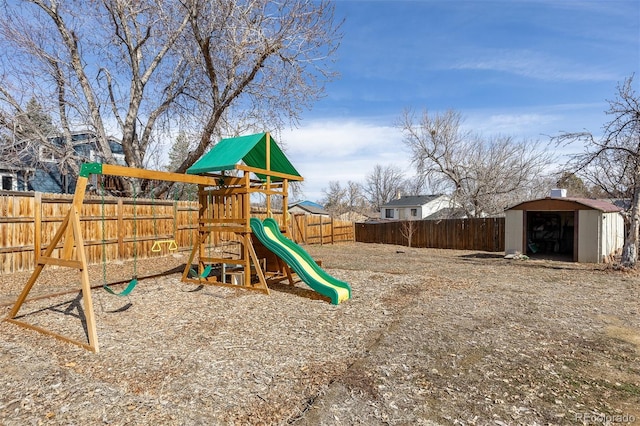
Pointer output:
x,y
486,234
320,230
124,228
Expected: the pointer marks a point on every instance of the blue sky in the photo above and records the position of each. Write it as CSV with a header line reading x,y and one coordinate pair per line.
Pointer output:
x,y
527,69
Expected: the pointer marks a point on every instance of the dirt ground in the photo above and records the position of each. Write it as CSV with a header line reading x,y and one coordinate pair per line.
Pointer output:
x,y
430,337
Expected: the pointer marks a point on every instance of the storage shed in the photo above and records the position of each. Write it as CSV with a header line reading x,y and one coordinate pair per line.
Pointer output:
x,y
578,229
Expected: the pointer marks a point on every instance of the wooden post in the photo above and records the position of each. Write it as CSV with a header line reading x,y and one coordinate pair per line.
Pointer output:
x,y
332,230
85,282
121,229
205,211
78,199
37,226
268,167
285,208
246,236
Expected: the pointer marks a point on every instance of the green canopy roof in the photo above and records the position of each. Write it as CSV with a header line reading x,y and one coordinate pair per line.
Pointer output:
x,y
250,149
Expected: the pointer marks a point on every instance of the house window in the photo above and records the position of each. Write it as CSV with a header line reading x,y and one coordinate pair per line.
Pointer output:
x,y
388,213
414,212
47,155
7,183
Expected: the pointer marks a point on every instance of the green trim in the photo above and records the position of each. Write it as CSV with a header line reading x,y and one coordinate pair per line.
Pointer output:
x,y
250,149
90,169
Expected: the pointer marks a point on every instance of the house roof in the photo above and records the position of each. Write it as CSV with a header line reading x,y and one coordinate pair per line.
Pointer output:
x,y
9,166
305,203
447,213
566,203
412,200
250,149
311,208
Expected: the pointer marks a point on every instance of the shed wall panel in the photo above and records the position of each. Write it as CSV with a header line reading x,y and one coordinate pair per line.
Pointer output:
x,y
612,234
513,232
589,236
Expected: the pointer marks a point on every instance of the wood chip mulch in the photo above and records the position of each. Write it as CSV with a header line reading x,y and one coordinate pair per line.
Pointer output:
x,y
429,337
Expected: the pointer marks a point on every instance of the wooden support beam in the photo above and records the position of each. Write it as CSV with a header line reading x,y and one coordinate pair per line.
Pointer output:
x,y
257,170
51,333
36,273
122,171
84,280
69,263
75,232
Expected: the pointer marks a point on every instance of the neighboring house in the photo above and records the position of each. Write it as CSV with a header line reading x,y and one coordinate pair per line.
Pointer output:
x,y
308,207
448,213
47,177
414,207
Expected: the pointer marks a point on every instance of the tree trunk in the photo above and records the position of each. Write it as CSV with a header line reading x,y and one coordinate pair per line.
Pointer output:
x,y
630,249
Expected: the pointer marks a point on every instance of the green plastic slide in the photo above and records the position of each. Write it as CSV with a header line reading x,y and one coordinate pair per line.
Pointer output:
x,y
268,232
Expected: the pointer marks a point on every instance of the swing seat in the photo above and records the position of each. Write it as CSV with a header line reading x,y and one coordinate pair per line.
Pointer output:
x,y
157,245
128,289
205,272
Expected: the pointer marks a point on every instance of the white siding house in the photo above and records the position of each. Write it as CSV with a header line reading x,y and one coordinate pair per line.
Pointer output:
x,y
414,207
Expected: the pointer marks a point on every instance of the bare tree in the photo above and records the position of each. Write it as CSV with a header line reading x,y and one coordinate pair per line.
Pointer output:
x,y
100,62
408,229
416,185
484,175
138,67
334,198
339,200
612,161
356,201
259,63
383,184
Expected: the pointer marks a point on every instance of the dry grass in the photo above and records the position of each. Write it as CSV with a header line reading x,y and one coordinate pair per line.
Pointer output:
x,y
430,337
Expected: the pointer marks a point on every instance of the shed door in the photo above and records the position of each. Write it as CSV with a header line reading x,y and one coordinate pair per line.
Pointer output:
x,y
551,234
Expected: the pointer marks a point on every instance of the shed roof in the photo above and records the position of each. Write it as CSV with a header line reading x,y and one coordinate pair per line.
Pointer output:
x,y
566,204
250,149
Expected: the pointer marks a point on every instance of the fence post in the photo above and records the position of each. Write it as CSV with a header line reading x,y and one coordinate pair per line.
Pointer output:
x,y
333,230
37,226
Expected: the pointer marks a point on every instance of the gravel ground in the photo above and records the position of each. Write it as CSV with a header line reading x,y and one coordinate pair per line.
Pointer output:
x,y
430,337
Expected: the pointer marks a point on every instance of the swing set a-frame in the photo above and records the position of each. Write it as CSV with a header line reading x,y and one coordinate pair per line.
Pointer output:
x,y
226,176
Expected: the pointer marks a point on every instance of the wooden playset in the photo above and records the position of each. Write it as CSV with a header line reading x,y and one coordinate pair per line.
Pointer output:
x,y
227,177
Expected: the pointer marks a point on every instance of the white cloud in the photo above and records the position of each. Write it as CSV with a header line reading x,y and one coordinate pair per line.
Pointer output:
x,y
525,124
536,65
335,150
539,122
